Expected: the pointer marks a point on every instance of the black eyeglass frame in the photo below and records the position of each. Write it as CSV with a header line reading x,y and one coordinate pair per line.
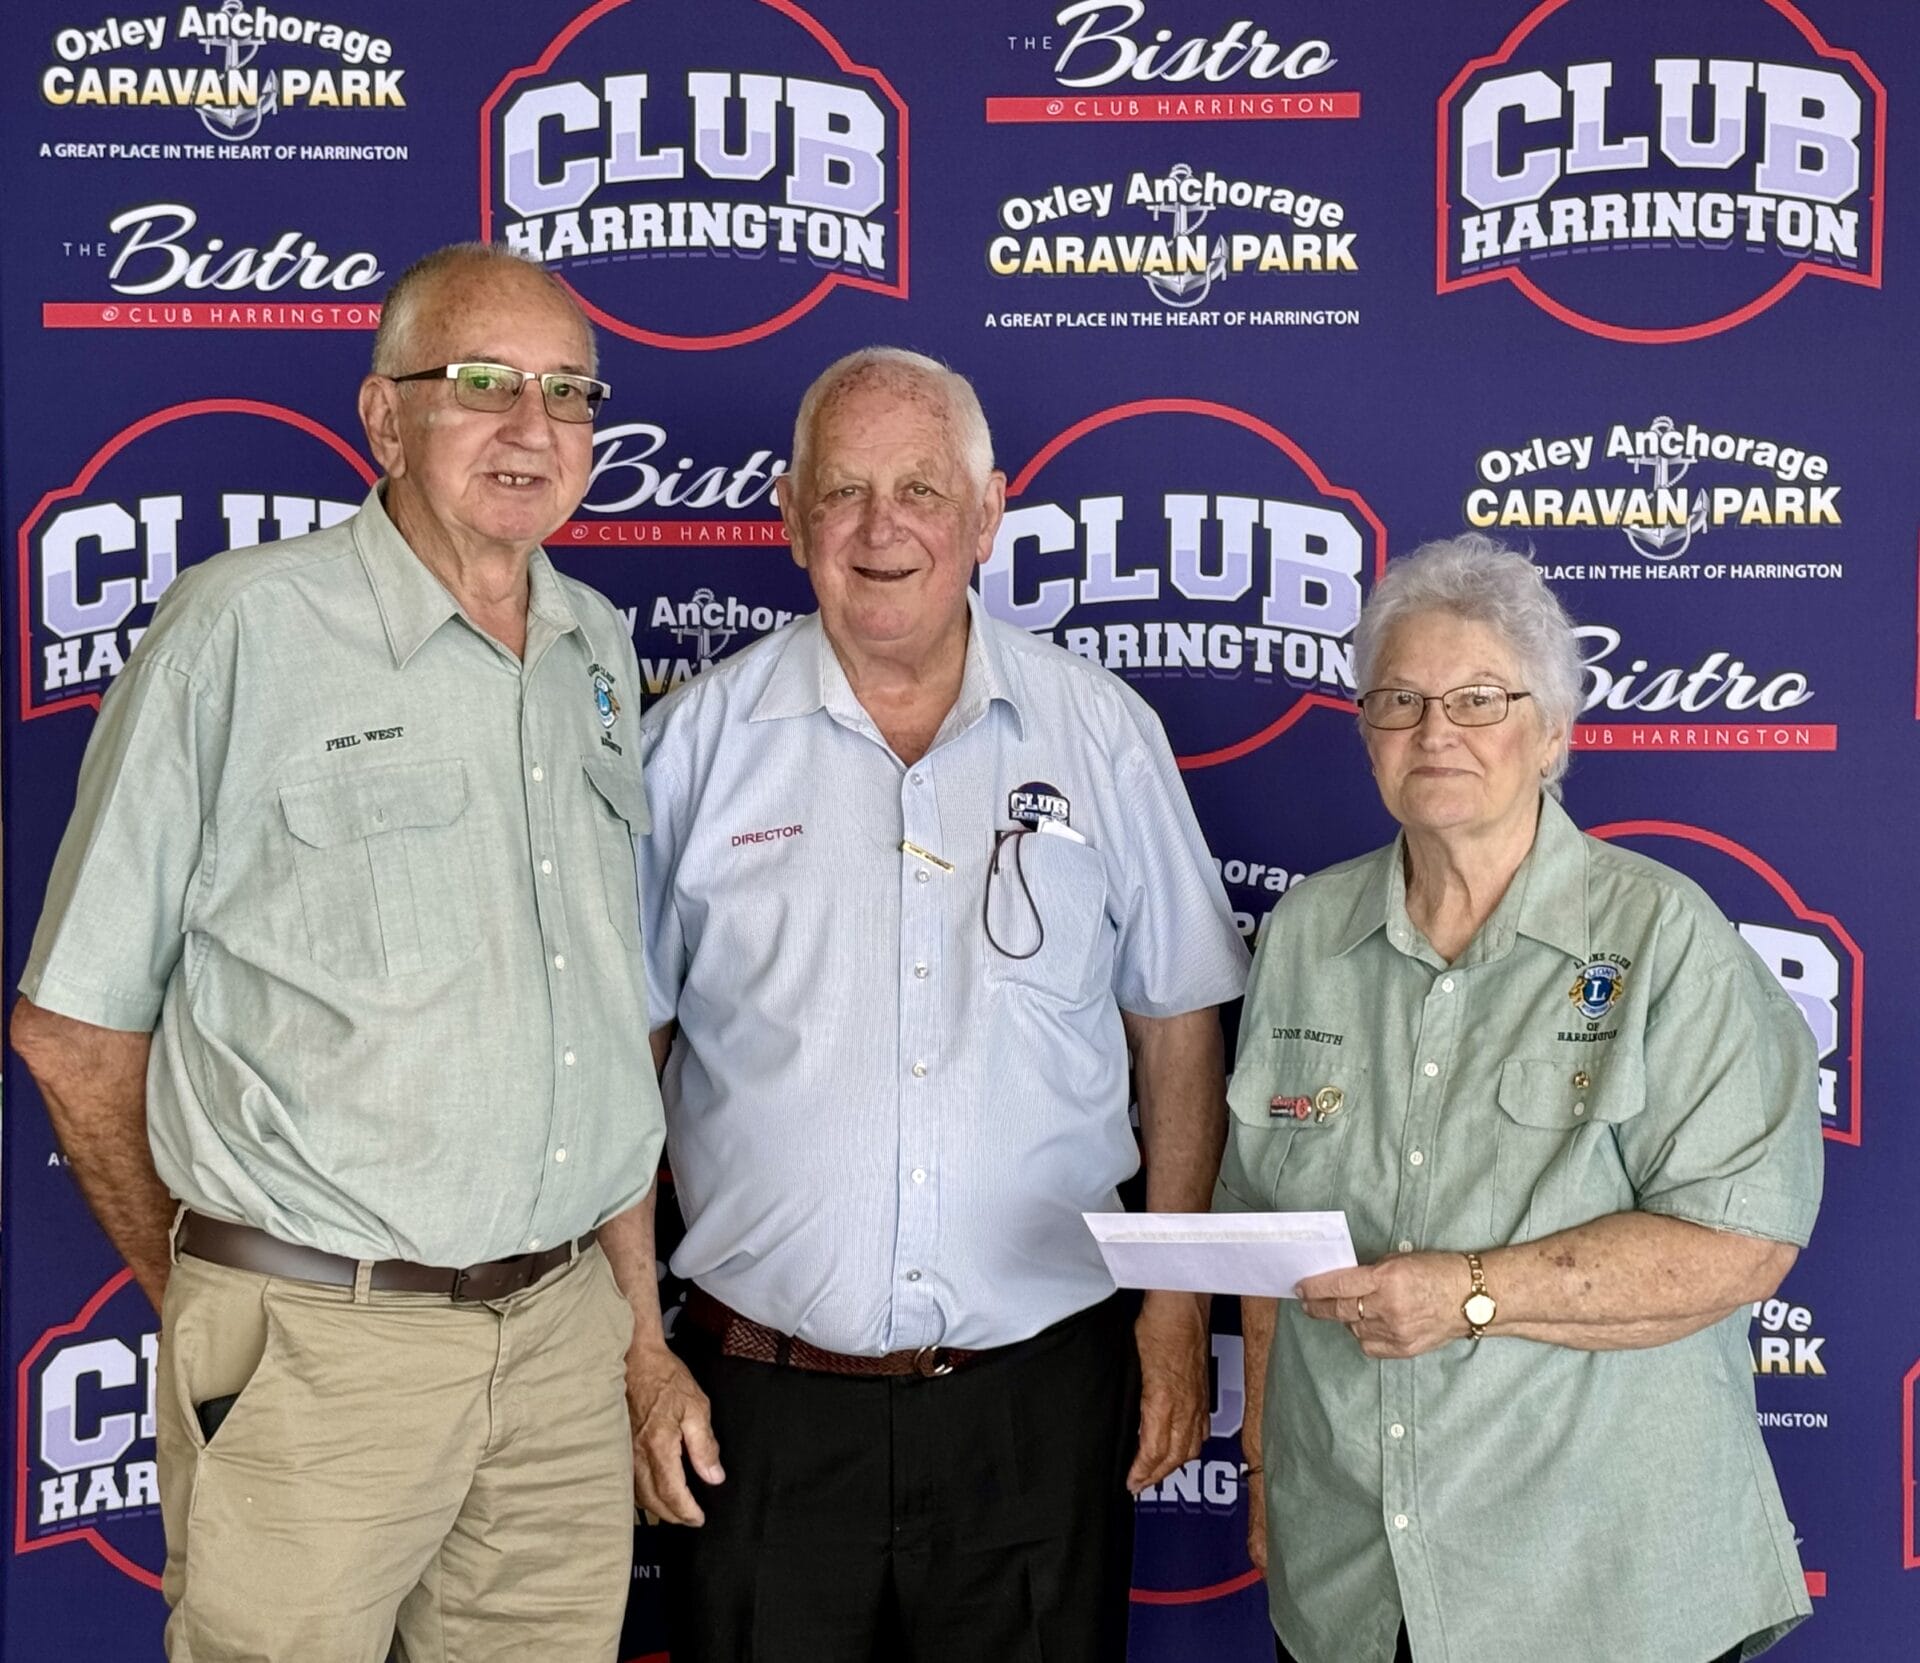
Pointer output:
x,y
1507,696
597,391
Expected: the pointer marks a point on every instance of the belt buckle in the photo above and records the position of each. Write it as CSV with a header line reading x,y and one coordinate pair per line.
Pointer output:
x,y
458,1294
930,1364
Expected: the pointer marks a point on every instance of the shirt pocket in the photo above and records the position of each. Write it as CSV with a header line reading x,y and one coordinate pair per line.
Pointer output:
x,y
620,815
384,868
1048,901
1293,1105
1557,1160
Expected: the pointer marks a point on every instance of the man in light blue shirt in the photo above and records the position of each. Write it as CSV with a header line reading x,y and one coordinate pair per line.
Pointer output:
x,y
918,886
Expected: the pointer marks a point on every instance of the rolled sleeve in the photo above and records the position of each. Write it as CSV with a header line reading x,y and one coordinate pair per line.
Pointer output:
x,y
112,926
1730,1137
1178,950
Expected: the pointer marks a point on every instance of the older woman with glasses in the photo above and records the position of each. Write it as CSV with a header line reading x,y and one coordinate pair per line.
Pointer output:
x,y
1573,1124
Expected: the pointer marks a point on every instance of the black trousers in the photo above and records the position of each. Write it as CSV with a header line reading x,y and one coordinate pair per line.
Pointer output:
x,y
978,1518
1403,1654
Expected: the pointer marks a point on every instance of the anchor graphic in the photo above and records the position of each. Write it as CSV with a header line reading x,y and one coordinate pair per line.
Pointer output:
x,y
702,641
236,123
1667,542
1187,288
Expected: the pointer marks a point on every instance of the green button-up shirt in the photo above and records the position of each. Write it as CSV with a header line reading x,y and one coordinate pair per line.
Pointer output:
x,y
372,875
1605,1043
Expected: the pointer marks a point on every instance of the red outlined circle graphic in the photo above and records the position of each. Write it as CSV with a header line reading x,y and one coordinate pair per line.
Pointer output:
x,y
21,1542
1272,435
1563,313
753,332
1790,898
98,460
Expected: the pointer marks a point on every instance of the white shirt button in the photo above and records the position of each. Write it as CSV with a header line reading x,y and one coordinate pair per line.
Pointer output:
x,y
913,1276
920,972
567,1058
546,868
559,961
1406,1247
533,1241
922,875
1416,1159
1579,1108
917,779
560,1155
919,1174
539,773
919,1071
1446,986
1397,1430
1430,1070
1400,1521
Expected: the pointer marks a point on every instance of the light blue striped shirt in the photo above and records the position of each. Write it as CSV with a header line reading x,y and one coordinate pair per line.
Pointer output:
x,y
884,1130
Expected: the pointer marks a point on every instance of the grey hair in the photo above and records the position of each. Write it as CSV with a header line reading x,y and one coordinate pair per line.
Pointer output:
x,y
393,341
895,367
1475,578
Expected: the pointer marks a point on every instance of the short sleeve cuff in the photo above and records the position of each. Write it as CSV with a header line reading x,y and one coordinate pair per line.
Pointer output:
x,y
133,1013
1743,1208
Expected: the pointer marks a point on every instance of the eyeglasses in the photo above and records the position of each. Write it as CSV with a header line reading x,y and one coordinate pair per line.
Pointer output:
x,y
1466,707
492,388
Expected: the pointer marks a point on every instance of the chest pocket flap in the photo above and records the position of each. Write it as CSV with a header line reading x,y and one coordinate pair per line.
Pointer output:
x,y
411,796
623,792
1560,1094
384,868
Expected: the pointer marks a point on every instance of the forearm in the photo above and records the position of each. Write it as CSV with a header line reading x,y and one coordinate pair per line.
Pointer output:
x,y
1180,1082
1257,1317
94,1084
627,1241
1629,1280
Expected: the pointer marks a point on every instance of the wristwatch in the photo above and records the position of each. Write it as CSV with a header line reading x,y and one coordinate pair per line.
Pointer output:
x,y
1479,1306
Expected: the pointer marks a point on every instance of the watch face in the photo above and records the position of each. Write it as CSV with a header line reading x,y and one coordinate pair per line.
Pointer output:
x,y
1479,1309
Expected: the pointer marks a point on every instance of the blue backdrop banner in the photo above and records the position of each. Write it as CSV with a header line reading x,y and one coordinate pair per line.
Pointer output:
x,y
1257,293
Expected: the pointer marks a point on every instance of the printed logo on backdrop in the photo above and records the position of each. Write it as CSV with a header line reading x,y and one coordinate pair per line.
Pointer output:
x,y
213,77
1199,553
84,1403
1645,504
643,466
182,483
699,176
1192,1538
1651,172
1168,249
1131,60
1811,954
1661,490
1909,1471
166,269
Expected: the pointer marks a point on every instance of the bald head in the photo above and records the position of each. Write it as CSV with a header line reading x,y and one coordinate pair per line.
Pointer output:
x,y
914,379
438,285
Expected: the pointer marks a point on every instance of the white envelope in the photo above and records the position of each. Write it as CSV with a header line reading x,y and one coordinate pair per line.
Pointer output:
x,y
1256,1253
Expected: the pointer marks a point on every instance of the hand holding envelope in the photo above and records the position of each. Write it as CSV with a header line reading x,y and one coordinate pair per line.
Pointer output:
x,y
1266,1254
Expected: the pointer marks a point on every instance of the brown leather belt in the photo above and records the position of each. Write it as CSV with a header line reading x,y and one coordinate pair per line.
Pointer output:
x,y
743,1337
241,1247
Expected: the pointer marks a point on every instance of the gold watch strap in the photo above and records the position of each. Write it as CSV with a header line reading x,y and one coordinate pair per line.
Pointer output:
x,y
1478,1290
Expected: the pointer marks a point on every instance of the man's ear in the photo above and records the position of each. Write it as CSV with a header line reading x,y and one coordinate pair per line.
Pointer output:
x,y
993,508
380,417
792,519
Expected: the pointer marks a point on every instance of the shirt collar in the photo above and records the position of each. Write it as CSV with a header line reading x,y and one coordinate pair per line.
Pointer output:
x,y
809,677
1546,901
414,603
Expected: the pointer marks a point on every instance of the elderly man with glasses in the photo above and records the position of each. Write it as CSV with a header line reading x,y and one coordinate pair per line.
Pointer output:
x,y
331,1007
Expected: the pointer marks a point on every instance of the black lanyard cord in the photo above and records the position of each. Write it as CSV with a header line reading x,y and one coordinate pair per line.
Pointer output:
x,y
1019,871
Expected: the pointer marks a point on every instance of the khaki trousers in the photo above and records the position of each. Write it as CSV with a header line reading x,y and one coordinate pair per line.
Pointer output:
x,y
457,1474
